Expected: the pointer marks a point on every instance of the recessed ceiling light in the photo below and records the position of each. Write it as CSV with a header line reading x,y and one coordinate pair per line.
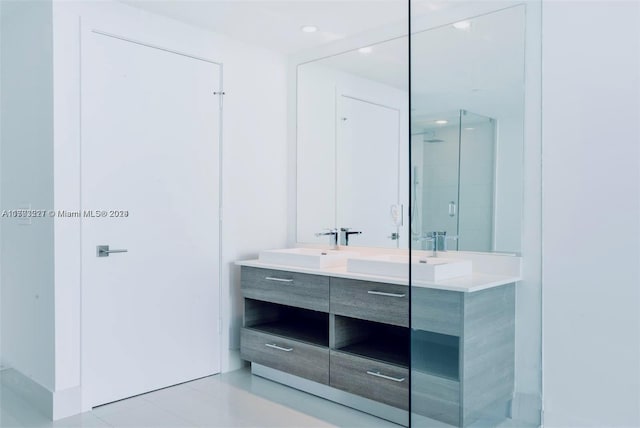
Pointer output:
x,y
309,29
365,50
462,25
469,129
442,122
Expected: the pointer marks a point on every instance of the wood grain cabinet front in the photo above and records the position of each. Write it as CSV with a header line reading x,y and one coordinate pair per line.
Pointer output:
x,y
439,311
288,288
435,397
290,356
369,378
374,301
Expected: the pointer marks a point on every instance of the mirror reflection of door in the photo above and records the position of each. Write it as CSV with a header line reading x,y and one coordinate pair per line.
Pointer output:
x,y
367,151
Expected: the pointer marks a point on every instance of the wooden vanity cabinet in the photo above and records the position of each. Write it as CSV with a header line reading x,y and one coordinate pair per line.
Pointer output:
x,y
354,336
463,353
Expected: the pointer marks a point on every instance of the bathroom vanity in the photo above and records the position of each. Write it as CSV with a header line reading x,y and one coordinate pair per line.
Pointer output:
x,y
347,337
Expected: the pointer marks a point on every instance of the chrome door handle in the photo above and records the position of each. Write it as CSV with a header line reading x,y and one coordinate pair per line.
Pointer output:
x,y
452,209
378,374
382,293
279,348
104,251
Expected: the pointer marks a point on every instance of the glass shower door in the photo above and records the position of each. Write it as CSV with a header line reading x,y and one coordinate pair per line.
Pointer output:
x,y
435,145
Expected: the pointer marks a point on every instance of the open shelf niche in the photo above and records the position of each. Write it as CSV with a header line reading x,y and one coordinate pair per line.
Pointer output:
x,y
435,354
369,339
288,322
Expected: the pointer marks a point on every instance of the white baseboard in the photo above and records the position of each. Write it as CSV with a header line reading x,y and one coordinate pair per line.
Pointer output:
x,y
67,402
53,405
35,394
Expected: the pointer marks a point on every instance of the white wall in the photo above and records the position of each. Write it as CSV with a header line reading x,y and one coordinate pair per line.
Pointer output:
x,y
26,181
254,160
591,111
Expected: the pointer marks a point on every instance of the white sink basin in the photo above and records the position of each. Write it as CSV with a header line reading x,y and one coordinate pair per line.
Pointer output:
x,y
306,257
422,268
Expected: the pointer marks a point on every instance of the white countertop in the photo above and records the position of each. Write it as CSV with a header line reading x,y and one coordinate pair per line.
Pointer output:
x,y
466,284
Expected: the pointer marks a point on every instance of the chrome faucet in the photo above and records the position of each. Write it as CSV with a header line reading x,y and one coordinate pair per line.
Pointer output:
x,y
438,240
333,237
345,232
426,237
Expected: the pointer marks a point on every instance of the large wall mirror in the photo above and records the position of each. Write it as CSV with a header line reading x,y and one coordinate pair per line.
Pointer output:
x,y
465,162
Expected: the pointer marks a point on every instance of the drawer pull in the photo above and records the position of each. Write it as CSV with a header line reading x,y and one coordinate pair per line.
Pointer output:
x,y
273,278
378,374
382,293
279,348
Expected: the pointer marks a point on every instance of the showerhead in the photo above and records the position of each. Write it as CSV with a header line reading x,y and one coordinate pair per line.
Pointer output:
x,y
429,136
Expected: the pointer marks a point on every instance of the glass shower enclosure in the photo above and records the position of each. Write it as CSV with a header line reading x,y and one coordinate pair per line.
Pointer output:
x,y
453,179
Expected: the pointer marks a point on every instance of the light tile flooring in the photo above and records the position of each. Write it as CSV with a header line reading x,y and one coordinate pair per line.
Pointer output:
x,y
235,399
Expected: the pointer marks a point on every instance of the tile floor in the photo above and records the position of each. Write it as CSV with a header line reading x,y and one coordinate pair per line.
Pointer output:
x,y
235,399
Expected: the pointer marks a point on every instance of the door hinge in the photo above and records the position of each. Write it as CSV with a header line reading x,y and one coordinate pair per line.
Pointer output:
x,y
221,93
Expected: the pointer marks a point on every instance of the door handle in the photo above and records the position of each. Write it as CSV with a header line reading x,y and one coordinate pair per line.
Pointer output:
x,y
383,376
382,293
273,278
452,209
104,251
279,348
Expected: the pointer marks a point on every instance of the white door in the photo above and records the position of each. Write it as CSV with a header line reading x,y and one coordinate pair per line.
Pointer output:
x,y
367,168
150,163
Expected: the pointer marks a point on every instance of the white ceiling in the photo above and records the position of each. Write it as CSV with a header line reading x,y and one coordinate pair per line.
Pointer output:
x,y
276,24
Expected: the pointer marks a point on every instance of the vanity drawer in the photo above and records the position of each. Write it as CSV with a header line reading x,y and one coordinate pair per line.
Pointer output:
x,y
375,301
439,311
288,288
435,397
290,356
378,381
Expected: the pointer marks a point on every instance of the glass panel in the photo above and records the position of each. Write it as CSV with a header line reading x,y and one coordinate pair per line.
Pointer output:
x,y
467,103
